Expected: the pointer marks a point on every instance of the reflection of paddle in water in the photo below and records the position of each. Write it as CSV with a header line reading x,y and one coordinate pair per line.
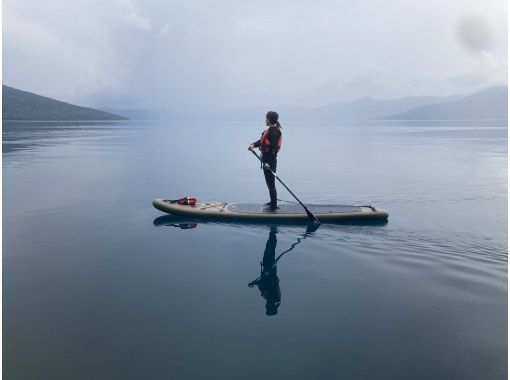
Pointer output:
x,y
268,282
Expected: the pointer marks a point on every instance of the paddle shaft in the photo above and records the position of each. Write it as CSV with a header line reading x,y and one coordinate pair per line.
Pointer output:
x,y
308,212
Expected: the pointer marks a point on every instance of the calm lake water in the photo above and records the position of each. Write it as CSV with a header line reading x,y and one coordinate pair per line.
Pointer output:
x,y
97,285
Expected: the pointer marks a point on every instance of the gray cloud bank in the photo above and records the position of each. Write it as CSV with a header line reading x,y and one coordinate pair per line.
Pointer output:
x,y
220,54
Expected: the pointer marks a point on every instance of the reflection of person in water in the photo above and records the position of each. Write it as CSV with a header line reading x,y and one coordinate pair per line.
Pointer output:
x,y
268,282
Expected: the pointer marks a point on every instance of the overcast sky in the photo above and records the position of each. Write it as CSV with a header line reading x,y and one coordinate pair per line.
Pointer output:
x,y
222,54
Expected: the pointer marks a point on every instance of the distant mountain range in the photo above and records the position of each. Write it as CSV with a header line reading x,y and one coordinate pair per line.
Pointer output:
x,y
362,109
23,105
491,103
486,104
369,108
149,114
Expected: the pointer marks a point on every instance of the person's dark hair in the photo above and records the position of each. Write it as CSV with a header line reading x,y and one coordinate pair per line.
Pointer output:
x,y
273,118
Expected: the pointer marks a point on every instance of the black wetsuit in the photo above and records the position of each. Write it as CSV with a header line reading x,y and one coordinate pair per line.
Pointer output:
x,y
274,135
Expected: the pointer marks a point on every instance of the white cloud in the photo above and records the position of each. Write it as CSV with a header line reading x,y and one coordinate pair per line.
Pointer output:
x,y
367,79
485,72
75,54
229,54
131,16
165,30
489,72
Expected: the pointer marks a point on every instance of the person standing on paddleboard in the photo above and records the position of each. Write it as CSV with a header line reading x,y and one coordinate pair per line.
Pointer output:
x,y
269,144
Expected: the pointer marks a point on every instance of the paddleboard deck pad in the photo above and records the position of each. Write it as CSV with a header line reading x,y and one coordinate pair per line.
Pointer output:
x,y
286,211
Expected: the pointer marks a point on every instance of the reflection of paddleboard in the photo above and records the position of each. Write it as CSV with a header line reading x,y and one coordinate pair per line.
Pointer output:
x,y
286,212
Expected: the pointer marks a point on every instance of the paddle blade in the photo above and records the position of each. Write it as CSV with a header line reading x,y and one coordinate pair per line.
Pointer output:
x,y
312,227
312,217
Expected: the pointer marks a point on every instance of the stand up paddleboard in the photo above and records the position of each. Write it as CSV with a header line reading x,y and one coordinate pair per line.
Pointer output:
x,y
286,211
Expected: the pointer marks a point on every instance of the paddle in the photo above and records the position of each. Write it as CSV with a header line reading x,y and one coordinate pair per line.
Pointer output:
x,y
312,217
